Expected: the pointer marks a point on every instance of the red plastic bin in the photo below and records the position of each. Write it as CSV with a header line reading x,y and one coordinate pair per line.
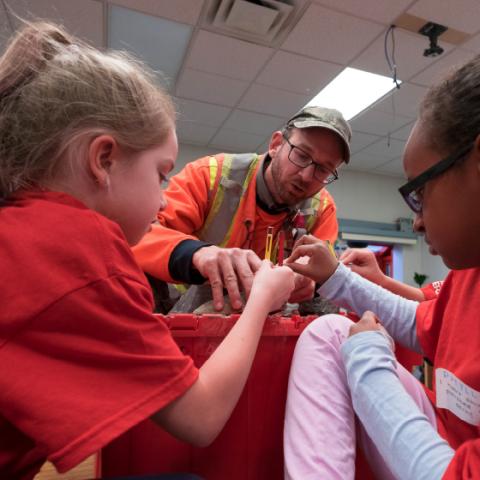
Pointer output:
x,y
250,446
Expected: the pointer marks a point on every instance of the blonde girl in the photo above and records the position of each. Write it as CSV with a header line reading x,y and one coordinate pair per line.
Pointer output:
x,y
86,139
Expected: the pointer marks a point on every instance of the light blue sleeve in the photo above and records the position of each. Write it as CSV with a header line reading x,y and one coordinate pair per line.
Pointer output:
x,y
407,441
397,314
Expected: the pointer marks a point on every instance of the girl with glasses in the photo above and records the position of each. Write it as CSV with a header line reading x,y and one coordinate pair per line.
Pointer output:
x,y
345,384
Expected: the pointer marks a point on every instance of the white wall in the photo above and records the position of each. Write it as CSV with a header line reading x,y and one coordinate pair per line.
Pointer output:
x,y
361,196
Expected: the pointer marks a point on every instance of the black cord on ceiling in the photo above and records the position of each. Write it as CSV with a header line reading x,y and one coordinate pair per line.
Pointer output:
x,y
392,64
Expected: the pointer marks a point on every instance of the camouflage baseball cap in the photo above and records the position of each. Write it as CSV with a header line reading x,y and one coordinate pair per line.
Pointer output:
x,y
324,118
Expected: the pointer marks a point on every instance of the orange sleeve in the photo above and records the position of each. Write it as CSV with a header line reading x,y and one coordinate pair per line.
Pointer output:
x,y
326,225
185,213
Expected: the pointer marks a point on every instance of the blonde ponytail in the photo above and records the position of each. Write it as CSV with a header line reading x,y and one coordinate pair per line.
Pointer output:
x,y
27,55
56,92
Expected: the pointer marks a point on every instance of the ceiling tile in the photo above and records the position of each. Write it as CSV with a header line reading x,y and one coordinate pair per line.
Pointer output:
x,y
83,19
250,122
297,73
472,45
393,168
378,123
363,162
210,88
404,101
459,14
272,101
439,69
184,11
227,56
361,140
408,55
235,141
403,133
201,112
218,70
194,133
314,33
385,11
385,148
142,34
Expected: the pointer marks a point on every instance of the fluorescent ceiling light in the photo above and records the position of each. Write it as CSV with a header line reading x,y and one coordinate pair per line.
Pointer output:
x,y
352,91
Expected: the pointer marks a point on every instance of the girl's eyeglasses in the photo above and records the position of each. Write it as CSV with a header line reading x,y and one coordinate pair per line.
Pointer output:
x,y
411,191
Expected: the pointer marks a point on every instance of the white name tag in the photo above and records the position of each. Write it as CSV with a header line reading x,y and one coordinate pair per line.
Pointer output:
x,y
458,397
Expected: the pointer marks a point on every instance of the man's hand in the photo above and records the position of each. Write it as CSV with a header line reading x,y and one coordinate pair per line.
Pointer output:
x,y
230,268
363,262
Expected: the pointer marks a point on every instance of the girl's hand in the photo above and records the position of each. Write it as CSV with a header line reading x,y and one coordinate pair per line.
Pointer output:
x,y
304,289
363,262
321,263
272,285
370,322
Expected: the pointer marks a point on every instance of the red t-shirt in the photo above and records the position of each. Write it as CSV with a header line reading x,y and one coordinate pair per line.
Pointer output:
x,y
449,332
82,358
432,290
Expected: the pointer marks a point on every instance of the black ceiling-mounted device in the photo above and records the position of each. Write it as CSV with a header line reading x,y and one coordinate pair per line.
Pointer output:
x,y
432,31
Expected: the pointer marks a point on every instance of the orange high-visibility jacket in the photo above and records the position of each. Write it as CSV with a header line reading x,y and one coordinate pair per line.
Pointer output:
x,y
194,192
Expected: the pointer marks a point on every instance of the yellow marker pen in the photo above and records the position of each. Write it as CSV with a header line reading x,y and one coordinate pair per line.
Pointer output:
x,y
330,247
269,243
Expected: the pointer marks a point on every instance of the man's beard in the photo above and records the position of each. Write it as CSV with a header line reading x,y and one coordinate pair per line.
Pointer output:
x,y
280,195
277,194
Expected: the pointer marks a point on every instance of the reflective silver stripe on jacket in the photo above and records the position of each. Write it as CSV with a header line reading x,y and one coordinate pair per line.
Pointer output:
x,y
232,188
221,217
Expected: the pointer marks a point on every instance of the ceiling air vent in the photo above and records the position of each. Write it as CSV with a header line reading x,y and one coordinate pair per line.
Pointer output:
x,y
260,21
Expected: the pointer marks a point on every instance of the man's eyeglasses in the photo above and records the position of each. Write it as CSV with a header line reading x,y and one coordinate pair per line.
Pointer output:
x,y
302,159
412,190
